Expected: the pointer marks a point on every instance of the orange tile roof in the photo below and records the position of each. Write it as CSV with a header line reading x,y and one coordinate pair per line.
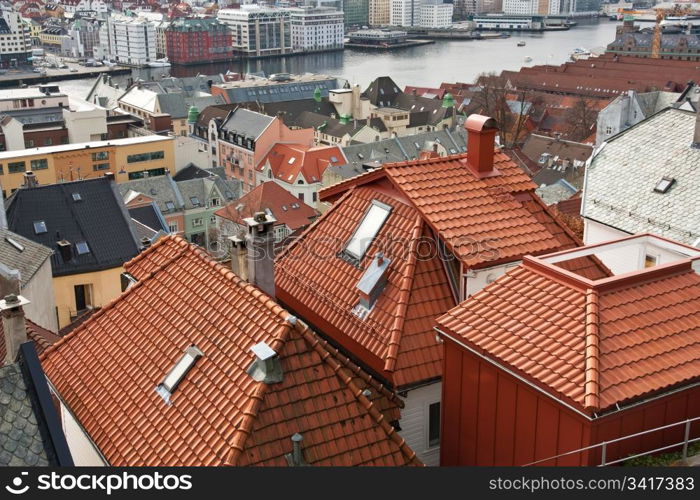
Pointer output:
x,y
107,369
289,161
42,337
482,221
396,339
592,346
286,208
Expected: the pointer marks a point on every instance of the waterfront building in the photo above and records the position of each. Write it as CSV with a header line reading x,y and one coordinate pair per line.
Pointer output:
x,y
378,37
15,38
681,46
316,29
82,36
405,13
436,14
356,12
198,40
379,12
259,31
129,40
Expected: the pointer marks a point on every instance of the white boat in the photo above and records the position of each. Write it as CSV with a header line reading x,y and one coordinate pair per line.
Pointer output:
x,y
159,63
528,59
580,53
521,43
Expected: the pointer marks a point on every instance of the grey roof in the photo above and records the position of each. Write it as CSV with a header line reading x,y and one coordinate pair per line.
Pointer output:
x,y
228,190
192,171
653,102
268,91
554,193
162,189
399,149
668,40
178,105
245,122
621,178
149,216
98,218
28,260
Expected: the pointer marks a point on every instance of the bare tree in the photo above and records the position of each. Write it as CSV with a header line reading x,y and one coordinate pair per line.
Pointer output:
x,y
581,118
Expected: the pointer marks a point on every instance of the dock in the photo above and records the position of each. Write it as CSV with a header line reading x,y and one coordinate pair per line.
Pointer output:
x,y
388,47
20,76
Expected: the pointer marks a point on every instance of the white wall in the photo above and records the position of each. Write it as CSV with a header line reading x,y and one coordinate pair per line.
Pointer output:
x,y
42,308
81,448
414,421
478,279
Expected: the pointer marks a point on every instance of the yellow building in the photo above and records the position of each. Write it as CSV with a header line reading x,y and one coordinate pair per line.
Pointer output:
x,y
53,35
88,228
128,159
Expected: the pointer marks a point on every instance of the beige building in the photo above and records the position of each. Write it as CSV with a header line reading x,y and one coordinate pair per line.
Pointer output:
x,y
379,12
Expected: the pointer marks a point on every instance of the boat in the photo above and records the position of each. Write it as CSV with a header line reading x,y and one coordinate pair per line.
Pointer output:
x,y
159,63
528,59
521,43
580,53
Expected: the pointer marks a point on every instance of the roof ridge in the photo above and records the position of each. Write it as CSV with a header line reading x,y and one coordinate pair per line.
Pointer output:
x,y
396,330
370,407
591,397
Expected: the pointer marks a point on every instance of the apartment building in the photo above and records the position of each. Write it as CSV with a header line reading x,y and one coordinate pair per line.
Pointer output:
x,y
258,31
316,29
130,41
435,14
379,12
15,38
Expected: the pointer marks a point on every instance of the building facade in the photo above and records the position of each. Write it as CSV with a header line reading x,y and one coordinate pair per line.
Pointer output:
x,y
405,13
130,41
379,12
258,31
356,12
436,14
15,38
196,40
316,29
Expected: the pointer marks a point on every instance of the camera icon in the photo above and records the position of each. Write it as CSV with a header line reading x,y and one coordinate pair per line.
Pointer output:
x,y
16,488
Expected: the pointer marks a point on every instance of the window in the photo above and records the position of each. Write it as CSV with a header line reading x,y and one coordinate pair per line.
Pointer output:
x,y
198,222
370,225
154,155
169,206
102,155
39,227
195,201
434,425
664,184
82,297
16,167
650,260
77,197
39,164
48,141
29,143
301,196
215,202
82,248
314,196
100,166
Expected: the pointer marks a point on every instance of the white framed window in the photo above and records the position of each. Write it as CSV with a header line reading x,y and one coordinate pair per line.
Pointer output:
x,y
198,222
172,227
367,230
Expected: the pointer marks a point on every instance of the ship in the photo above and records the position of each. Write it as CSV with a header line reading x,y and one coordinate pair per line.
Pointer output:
x,y
159,63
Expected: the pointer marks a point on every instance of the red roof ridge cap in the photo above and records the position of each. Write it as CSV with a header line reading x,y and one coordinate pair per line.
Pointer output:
x,y
426,161
591,386
378,416
245,425
404,291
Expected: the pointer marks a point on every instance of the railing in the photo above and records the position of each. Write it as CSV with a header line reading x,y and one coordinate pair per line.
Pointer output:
x,y
604,445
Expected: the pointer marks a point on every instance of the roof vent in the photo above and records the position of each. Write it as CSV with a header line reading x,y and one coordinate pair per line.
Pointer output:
x,y
266,368
296,457
177,373
373,281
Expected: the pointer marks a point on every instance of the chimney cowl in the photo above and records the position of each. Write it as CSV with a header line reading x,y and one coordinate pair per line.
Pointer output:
x,y
30,179
296,457
266,367
13,301
13,325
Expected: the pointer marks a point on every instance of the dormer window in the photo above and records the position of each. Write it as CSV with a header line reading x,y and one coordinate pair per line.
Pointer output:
x,y
664,184
367,230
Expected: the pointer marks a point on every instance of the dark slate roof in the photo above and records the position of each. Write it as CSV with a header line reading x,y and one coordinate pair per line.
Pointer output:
x,y
291,110
269,91
245,122
382,92
192,171
99,218
149,216
28,260
162,188
30,431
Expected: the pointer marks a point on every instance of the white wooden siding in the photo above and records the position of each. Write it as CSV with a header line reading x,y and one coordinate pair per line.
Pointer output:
x,y
414,421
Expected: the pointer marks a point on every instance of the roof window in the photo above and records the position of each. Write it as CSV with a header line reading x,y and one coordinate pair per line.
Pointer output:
x,y
664,184
15,243
82,247
367,230
178,372
39,227
169,205
195,201
292,160
77,197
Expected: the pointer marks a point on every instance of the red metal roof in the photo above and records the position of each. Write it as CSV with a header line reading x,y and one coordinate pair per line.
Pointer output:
x,y
286,208
107,369
592,345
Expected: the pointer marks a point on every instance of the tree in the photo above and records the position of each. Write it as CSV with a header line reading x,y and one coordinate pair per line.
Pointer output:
x,y
581,118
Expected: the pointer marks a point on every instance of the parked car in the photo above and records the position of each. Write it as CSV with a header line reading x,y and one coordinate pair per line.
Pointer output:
x,y
73,70
62,66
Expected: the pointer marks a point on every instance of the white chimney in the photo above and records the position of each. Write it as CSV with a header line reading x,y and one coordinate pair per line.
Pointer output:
x,y
13,325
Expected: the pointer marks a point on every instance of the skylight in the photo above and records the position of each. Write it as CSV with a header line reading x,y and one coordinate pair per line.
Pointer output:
x,y
334,159
15,243
664,184
169,205
77,197
39,227
177,373
292,160
195,201
82,247
368,228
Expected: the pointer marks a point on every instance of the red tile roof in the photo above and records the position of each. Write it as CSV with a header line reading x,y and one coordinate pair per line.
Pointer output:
x,y
482,221
106,372
289,161
396,339
42,337
284,206
592,345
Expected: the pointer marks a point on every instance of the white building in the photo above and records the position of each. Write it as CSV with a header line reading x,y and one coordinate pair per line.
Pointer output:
x,y
259,30
130,40
316,29
405,13
435,14
533,7
15,38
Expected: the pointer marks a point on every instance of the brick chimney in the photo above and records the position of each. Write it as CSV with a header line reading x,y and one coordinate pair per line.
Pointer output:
x,y
481,135
14,328
239,257
260,242
30,180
